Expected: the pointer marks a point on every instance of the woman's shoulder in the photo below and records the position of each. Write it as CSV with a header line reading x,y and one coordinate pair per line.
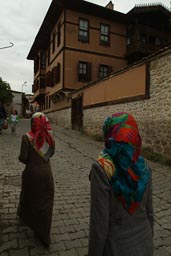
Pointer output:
x,y
97,170
96,166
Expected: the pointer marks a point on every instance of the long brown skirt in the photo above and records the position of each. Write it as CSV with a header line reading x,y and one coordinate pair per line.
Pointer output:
x,y
36,202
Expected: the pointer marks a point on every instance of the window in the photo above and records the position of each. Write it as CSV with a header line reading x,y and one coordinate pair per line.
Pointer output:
x,y
128,42
36,64
53,77
84,71
59,34
57,73
104,34
53,42
43,60
129,39
48,79
49,102
157,41
42,83
104,70
48,57
151,39
46,102
143,37
83,30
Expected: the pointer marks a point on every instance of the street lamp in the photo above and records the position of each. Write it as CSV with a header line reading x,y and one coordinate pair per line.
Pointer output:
x,y
24,84
8,46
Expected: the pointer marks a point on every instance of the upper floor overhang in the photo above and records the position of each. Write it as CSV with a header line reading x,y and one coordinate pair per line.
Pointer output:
x,y
42,38
155,15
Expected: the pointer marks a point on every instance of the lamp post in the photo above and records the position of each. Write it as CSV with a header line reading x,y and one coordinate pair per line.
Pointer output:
x,y
24,84
8,46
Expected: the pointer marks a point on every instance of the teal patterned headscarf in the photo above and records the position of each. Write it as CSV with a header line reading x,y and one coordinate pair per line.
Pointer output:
x,y
126,169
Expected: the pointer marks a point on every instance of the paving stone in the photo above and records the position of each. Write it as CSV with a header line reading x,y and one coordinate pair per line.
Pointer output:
x,y
168,249
161,252
4,254
27,242
9,245
22,252
84,242
59,246
73,244
71,252
61,237
70,223
77,235
82,251
39,250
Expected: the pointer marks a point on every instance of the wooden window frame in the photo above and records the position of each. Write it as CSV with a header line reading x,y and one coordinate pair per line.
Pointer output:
x,y
103,71
83,30
85,74
104,35
103,74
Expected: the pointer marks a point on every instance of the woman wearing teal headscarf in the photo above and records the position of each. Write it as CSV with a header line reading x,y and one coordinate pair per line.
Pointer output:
x,y
121,215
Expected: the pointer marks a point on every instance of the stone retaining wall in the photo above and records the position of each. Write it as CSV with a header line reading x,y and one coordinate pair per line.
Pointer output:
x,y
61,118
153,115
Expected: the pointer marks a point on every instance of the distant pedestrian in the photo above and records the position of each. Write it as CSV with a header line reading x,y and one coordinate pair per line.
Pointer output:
x,y
37,192
13,120
121,215
3,116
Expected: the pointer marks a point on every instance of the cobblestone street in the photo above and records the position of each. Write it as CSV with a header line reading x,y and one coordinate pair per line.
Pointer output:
x,y
70,164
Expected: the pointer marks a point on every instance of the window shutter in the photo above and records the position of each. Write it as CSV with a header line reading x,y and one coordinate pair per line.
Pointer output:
x,y
49,78
59,71
52,81
78,71
89,72
53,76
99,69
110,69
49,84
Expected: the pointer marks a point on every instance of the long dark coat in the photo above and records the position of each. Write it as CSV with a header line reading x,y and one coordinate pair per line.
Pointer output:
x,y
37,192
113,231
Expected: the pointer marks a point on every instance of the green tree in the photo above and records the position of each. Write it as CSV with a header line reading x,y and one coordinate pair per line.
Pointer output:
x,y
5,92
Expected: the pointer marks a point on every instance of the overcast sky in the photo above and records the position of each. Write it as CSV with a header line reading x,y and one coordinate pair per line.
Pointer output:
x,y
20,21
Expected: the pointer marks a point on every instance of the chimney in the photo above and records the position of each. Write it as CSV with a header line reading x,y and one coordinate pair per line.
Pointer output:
x,y
110,5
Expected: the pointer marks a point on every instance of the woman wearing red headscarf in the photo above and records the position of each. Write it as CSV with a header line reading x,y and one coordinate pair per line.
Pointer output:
x,y
37,193
121,216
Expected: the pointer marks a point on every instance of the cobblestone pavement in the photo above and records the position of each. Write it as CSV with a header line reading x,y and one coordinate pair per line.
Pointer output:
x,y
71,164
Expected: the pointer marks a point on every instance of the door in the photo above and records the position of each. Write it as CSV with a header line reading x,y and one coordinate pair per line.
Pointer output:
x,y
77,114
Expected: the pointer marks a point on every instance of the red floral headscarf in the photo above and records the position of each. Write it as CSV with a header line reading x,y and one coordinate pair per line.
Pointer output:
x,y
40,135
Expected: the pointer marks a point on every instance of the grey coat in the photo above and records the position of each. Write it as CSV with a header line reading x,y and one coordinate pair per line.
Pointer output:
x,y
113,231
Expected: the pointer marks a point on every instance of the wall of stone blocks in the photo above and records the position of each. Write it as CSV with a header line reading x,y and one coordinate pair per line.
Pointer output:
x,y
61,118
153,115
